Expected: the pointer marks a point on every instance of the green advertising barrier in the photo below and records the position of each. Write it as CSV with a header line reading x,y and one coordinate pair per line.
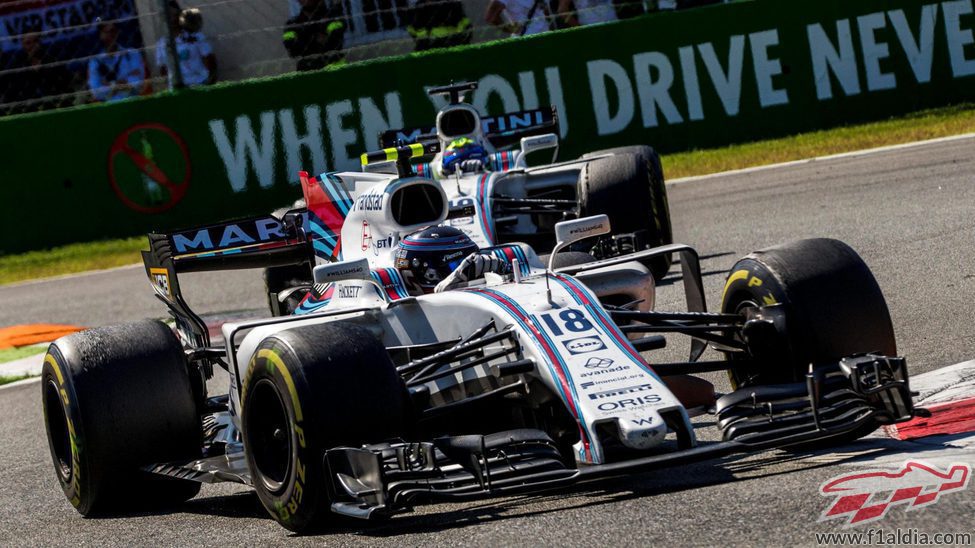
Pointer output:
x,y
699,78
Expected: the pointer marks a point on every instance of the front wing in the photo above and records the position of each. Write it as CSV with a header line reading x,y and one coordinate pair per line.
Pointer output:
x,y
848,398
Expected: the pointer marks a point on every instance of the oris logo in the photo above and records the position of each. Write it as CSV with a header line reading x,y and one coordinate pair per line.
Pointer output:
x,y
629,403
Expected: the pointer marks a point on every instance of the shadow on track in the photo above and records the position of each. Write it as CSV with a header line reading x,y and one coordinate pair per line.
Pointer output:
x,y
644,485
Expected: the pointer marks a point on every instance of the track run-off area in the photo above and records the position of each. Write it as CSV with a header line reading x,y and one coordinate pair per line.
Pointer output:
x,y
909,212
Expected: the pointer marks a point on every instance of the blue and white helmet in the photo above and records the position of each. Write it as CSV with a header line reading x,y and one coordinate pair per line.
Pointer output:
x,y
426,257
460,150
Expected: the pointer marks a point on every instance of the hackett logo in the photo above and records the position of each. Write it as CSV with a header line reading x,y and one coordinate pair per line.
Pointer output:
x,y
864,497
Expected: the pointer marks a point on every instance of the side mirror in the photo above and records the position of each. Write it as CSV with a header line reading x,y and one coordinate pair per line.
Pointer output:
x,y
570,232
347,270
343,270
538,142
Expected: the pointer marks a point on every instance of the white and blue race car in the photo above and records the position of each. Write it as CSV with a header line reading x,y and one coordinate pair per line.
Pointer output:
x,y
496,197
376,399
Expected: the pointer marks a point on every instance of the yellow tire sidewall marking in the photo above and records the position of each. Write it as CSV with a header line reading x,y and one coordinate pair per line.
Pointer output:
x,y
72,434
735,276
274,364
750,281
275,360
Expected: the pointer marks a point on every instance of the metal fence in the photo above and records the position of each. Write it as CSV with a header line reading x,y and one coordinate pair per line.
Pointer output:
x,y
57,53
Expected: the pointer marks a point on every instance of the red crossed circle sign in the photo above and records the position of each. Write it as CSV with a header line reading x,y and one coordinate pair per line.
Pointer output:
x,y
175,183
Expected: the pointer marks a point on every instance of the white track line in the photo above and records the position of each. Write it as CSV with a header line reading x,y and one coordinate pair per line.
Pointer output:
x,y
854,154
30,365
19,383
73,275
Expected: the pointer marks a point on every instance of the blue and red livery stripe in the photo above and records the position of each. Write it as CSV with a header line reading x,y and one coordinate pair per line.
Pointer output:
x,y
503,160
511,252
556,363
580,295
392,282
484,204
311,303
327,203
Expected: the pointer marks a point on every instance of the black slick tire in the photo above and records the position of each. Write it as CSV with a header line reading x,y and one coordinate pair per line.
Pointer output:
x,y
628,186
834,306
116,399
307,390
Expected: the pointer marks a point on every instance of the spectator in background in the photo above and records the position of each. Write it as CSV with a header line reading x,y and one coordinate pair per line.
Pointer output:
x,y
36,80
316,35
438,24
519,17
197,63
586,12
118,72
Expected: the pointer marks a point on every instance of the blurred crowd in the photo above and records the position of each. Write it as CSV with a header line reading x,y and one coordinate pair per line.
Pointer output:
x,y
110,62
33,78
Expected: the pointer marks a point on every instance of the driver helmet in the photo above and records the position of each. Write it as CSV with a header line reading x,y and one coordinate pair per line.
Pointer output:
x,y
426,257
460,150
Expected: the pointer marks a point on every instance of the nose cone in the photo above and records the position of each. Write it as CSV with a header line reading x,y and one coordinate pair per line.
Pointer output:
x,y
643,431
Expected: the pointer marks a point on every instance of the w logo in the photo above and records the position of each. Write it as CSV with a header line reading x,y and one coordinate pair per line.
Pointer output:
x,y
868,496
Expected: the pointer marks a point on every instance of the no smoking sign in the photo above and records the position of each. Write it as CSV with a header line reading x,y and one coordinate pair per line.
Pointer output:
x,y
149,168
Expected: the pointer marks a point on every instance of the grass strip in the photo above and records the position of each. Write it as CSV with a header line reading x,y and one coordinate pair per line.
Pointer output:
x,y
919,126
70,259
5,379
11,354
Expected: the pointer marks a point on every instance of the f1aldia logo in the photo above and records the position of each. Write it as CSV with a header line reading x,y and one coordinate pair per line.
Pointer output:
x,y
864,497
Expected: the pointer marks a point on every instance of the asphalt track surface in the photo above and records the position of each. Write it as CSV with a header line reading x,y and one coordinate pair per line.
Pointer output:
x,y
911,215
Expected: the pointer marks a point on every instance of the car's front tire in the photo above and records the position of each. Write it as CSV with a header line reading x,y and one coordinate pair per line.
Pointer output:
x,y
307,390
834,306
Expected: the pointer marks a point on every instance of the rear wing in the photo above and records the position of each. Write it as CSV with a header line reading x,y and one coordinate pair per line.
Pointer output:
x,y
502,131
253,242
300,236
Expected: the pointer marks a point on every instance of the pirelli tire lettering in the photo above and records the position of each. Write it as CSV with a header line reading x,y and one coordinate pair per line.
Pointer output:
x,y
307,390
99,449
60,406
269,376
746,277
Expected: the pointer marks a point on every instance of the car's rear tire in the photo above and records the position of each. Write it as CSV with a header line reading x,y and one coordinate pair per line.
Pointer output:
x,y
116,399
627,184
834,306
307,390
